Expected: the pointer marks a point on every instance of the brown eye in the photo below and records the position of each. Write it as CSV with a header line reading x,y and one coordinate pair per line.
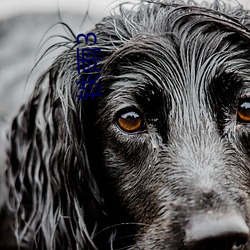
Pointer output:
x,y
243,113
130,121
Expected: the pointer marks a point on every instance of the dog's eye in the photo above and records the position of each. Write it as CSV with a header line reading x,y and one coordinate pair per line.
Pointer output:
x,y
130,121
243,113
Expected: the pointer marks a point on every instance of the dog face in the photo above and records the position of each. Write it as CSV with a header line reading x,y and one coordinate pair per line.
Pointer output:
x,y
161,159
174,143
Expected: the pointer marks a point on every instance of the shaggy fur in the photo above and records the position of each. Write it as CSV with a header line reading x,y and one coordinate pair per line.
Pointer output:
x,y
76,180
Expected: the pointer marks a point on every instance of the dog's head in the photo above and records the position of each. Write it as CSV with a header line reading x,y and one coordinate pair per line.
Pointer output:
x,y
174,126
162,156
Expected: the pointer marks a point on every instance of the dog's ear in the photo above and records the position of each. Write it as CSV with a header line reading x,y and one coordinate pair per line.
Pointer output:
x,y
52,191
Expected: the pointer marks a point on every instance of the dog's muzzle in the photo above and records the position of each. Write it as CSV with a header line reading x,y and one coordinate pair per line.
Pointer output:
x,y
217,232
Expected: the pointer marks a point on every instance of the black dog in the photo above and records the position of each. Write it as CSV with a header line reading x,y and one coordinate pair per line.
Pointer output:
x,y
159,161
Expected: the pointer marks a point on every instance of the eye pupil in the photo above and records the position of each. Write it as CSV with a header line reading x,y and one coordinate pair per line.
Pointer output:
x,y
130,121
243,113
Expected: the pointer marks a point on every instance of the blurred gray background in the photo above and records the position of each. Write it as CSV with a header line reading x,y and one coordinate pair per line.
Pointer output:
x,y
23,25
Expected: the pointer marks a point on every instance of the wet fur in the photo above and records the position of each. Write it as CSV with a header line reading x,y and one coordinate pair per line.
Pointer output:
x,y
76,181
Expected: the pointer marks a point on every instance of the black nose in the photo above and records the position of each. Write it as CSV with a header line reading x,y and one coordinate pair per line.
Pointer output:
x,y
217,232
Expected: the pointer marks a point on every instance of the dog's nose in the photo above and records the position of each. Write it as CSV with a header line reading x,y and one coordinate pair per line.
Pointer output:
x,y
217,232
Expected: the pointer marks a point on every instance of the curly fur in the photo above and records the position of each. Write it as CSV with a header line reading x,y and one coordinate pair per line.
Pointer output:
x,y
76,181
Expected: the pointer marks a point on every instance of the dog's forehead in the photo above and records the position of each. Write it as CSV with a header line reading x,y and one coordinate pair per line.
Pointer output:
x,y
186,60
184,57
178,64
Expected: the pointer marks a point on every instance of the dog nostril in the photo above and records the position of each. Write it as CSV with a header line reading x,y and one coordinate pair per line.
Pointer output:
x,y
217,232
240,242
223,242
